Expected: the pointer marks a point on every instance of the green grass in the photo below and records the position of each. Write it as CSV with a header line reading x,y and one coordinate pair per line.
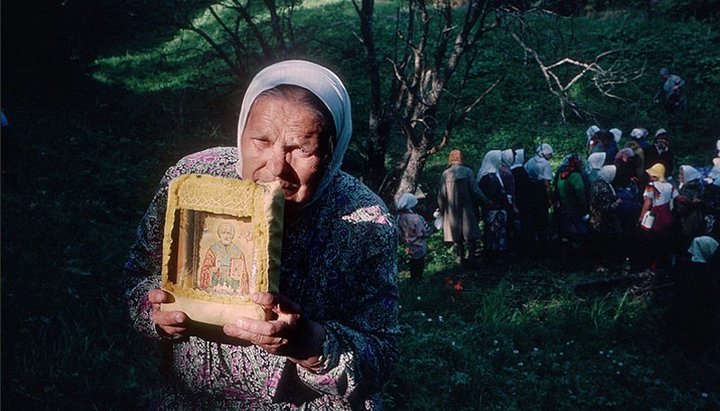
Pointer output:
x,y
519,338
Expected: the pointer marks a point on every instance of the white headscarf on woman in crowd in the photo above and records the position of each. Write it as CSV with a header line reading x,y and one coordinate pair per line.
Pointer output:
x,y
714,175
544,150
324,84
538,167
406,201
690,173
508,157
607,174
595,161
491,165
639,133
590,132
702,249
617,134
519,158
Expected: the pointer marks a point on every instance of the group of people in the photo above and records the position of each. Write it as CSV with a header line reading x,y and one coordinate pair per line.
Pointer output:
x,y
618,204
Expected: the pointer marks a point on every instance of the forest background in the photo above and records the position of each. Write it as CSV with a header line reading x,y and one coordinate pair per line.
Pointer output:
x,y
103,96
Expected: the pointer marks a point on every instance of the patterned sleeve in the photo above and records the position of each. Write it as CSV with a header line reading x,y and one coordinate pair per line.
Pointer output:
x,y
360,351
142,269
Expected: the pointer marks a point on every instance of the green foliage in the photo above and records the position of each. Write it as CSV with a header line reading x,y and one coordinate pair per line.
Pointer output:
x,y
516,338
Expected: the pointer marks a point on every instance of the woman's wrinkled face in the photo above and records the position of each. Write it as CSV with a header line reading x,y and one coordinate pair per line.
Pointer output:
x,y
281,142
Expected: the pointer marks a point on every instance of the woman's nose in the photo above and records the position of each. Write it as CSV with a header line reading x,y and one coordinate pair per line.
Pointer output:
x,y
277,162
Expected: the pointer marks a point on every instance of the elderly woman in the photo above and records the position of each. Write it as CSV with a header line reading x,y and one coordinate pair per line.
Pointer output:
x,y
604,220
332,343
689,206
413,231
572,206
593,165
657,200
458,199
495,212
539,199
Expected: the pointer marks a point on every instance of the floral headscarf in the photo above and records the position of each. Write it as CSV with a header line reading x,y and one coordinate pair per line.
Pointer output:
x,y
569,166
320,81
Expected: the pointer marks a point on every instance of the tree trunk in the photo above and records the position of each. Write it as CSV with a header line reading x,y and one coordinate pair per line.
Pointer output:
x,y
410,178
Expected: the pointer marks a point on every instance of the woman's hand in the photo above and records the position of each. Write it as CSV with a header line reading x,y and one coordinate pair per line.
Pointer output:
x,y
290,334
172,323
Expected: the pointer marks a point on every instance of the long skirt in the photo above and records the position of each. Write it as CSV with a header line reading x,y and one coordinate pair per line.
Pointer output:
x,y
495,231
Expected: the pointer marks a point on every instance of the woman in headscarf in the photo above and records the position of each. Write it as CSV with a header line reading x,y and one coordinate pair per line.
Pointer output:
x,y
627,190
592,140
495,212
539,198
519,218
689,206
458,199
712,201
572,201
413,230
595,162
332,342
604,220
657,202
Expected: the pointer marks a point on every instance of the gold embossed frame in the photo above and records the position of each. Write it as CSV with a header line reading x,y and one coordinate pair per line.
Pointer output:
x,y
222,243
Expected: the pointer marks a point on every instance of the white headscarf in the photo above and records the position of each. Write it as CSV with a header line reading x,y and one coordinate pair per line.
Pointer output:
x,y
507,157
491,165
714,175
406,201
617,134
590,132
595,161
544,150
639,133
320,81
519,158
690,173
607,173
702,249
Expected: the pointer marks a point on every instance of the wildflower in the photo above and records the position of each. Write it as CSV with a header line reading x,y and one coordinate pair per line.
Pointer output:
x,y
419,298
495,342
440,318
520,364
620,364
516,352
536,349
429,320
601,353
704,395
610,352
458,287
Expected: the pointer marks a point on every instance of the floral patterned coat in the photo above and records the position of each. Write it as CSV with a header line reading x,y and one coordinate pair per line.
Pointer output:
x,y
338,264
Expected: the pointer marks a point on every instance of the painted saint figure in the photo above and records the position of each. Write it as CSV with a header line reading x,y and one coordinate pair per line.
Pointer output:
x,y
224,267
